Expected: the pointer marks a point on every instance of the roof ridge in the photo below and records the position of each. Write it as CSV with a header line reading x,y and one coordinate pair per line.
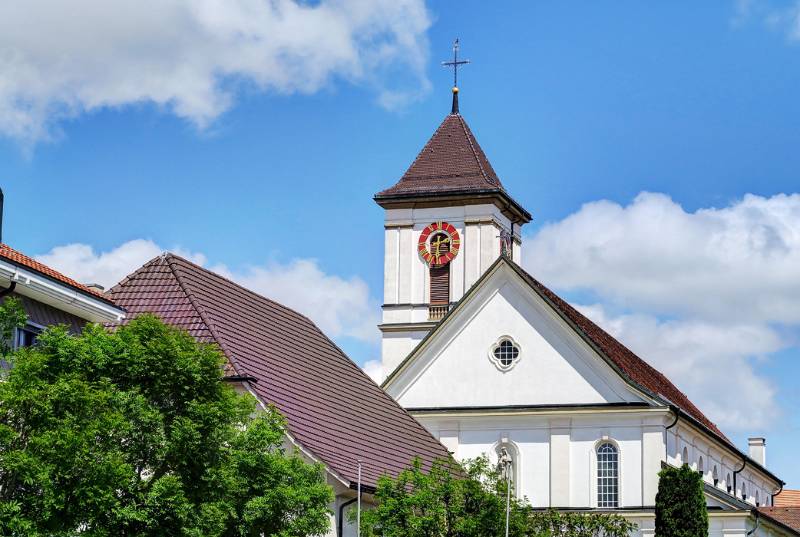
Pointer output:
x,y
204,316
240,286
467,133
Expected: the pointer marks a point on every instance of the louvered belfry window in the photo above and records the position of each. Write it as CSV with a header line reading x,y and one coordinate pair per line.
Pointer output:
x,y
440,277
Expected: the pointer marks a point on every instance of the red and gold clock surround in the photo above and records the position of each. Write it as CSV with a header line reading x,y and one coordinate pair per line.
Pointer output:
x,y
431,253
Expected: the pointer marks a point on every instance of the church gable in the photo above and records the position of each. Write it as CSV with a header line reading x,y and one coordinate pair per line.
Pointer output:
x,y
504,345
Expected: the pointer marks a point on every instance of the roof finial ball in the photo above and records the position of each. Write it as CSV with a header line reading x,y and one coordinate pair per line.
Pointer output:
x,y
454,64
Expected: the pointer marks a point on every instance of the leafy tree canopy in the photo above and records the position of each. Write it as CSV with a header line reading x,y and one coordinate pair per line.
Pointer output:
x,y
681,504
469,500
132,432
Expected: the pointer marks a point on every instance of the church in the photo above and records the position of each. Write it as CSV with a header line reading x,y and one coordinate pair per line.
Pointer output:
x,y
491,361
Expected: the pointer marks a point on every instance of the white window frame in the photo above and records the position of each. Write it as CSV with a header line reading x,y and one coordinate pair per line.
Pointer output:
x,y
596,471
496,361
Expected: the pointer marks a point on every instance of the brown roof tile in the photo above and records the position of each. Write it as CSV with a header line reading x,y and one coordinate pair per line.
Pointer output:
x,y
18,258
333,408
452,162
788,516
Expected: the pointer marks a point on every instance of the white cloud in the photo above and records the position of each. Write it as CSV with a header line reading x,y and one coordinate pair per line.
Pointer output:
x,y
339,306
82,263
61,59
737,264
715,290
374,368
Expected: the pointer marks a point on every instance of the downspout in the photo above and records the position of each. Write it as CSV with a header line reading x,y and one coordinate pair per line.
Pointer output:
x,y
667,428
772,499
755,528
340,529
744,463
8,290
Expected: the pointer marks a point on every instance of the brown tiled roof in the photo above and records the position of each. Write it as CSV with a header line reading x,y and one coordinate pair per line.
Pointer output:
x,y
451,162
788,516
788,498
18,258
333,408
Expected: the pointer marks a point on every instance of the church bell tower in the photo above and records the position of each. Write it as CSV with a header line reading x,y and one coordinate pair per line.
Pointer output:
x,y
447,220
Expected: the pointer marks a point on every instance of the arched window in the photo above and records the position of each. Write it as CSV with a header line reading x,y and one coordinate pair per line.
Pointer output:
x,y
700,465
685,456
715,476
607,475
744,492
729,483
758,500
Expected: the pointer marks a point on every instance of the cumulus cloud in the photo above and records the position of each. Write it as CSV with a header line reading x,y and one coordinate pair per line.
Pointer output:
x,y
737,263
712,289
341,307
82,263
61,59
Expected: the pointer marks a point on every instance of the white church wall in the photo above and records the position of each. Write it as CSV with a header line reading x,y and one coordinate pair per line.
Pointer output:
x,y
395,346
554,365
695,444
555,454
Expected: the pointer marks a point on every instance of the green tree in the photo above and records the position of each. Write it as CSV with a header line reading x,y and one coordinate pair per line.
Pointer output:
x,y
469,500
12,316
680,504
132,432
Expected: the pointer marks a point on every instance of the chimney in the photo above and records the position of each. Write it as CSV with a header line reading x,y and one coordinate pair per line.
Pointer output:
x,y
95,286
758,450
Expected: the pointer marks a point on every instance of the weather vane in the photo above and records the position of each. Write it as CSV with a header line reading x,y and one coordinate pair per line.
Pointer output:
x,y
455,64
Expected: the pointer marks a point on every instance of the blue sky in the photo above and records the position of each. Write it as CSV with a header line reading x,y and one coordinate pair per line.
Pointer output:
x,y
271,170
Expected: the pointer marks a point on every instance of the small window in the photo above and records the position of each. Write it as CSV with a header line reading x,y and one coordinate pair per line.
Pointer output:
x,y
607,475
728,483
744,492
700,468
685,456
758,499
26,337
715,476
504,353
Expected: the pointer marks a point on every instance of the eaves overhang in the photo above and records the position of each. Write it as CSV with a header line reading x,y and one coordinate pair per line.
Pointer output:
x,y
67,298
499,197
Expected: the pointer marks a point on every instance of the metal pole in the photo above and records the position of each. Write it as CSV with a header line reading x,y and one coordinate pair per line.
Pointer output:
x,y
508,497
358,510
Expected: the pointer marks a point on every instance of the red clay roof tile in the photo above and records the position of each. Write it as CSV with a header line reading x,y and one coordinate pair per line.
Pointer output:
x,y
789,516
18,258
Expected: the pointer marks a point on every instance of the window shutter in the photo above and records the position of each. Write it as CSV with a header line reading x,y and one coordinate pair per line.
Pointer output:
x,y
440,284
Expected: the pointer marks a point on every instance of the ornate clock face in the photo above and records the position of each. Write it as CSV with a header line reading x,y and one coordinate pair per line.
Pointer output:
x,y
438,244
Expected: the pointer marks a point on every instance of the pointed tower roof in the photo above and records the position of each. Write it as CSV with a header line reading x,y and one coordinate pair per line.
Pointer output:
x,y
452,167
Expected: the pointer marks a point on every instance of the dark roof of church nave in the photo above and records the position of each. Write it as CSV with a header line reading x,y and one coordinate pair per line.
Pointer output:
x,y
451,163
333,409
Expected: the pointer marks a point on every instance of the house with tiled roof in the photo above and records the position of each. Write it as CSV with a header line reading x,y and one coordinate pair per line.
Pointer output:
x,y
336,414
492,362
48,296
